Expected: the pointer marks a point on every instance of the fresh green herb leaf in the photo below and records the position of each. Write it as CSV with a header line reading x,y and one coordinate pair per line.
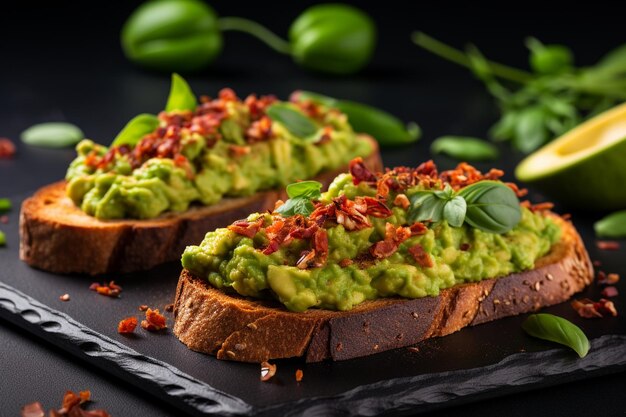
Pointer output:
x,y
557,329
530,131
181,97
138,127
52,135
549,59
5,204
386,128
300,196
465,148
294,121
425,207
3,239
491,206
612,226
305,189
454,211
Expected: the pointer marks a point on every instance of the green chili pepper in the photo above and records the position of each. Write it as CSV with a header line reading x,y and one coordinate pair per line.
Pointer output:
x,y
172,35
186,35
386,128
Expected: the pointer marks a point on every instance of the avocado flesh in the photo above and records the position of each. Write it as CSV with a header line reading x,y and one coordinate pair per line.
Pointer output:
x,y
586,167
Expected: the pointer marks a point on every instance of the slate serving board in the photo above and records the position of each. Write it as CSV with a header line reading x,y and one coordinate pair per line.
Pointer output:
x,y
484,361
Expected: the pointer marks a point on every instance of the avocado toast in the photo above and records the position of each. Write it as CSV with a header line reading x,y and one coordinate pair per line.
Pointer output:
x,y
380,261
136,204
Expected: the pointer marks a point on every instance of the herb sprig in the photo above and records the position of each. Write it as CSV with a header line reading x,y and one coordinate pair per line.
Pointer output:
x,y
300,199
543,104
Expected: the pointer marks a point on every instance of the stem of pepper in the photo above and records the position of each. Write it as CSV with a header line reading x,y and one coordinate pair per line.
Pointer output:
x,y
460,58
258,31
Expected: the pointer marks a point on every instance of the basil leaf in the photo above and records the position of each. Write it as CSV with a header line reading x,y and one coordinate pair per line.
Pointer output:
x,y
530,132
3,239
317,98
454,211
181,97
138,127
465,148
52,135
298,205
613,225
305,189
491,206
5,204
294,121
557,329
425,206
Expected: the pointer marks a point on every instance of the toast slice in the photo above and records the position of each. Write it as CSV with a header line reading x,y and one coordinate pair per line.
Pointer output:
x,y
249,330
57,236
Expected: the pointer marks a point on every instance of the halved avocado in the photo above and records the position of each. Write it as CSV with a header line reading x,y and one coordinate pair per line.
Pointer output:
x,y
586,167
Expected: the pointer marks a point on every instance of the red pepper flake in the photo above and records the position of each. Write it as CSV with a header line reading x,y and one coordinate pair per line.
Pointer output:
x,y
4,219
607,245
127,325
65,297
594,309
566,216
143,307
360,173
422,257
597,263
607,279
393,238
246,228
236,150
418,228
609,292
154,321
33,410
402,200
345,262
299,375
169,308
110,290
7,148
268,370
465,246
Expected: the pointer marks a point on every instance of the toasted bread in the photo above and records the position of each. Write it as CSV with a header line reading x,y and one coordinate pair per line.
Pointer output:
x,y
57,236
250,330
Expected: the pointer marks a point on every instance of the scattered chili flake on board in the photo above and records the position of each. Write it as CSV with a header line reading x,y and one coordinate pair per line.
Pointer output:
x,y
33,410
268,370
299,375
4,219
127,325
609,292
154,321
7,148
589,309
607,279
70,407
607,244
597,263
110,290
143,307
65,297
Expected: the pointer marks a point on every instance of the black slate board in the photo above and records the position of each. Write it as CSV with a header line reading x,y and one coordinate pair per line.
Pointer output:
x,y
484,361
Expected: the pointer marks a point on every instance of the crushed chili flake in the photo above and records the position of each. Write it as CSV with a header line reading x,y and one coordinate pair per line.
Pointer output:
x,y
401,200
345,262
33,410
607,279
110,290
597,263
268,370
594,309
607,245
465,246
70,407
422,257
65,297
154,321
4,219
7,148
609,292
299,375
127,325
143,307
360,173
246,228
394,236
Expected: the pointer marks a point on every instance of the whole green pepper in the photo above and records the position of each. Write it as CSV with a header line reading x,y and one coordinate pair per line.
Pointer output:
x,y
172,35
334,38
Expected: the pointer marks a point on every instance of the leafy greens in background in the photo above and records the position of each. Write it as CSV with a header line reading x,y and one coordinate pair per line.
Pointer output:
x,y
543,104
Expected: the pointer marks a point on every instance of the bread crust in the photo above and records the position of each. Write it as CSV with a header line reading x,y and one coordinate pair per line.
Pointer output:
x,y
57,236
249,330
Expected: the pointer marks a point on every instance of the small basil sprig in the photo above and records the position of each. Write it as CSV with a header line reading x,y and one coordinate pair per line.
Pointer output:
x,y
294,121
300,196
181,97
52,135
386,128
490,206
464,148
136,129
557,329
612,226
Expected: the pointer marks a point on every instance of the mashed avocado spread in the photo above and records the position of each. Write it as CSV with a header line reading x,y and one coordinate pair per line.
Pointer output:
x,y
360,243
225,147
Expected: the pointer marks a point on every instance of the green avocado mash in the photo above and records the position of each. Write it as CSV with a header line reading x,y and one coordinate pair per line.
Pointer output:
x,y
232,261
227,147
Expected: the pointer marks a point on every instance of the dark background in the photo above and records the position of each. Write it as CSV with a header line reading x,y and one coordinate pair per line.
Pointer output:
x,y
62,62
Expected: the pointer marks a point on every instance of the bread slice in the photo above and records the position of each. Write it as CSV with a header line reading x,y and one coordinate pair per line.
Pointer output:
x,y
248,330
57,236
